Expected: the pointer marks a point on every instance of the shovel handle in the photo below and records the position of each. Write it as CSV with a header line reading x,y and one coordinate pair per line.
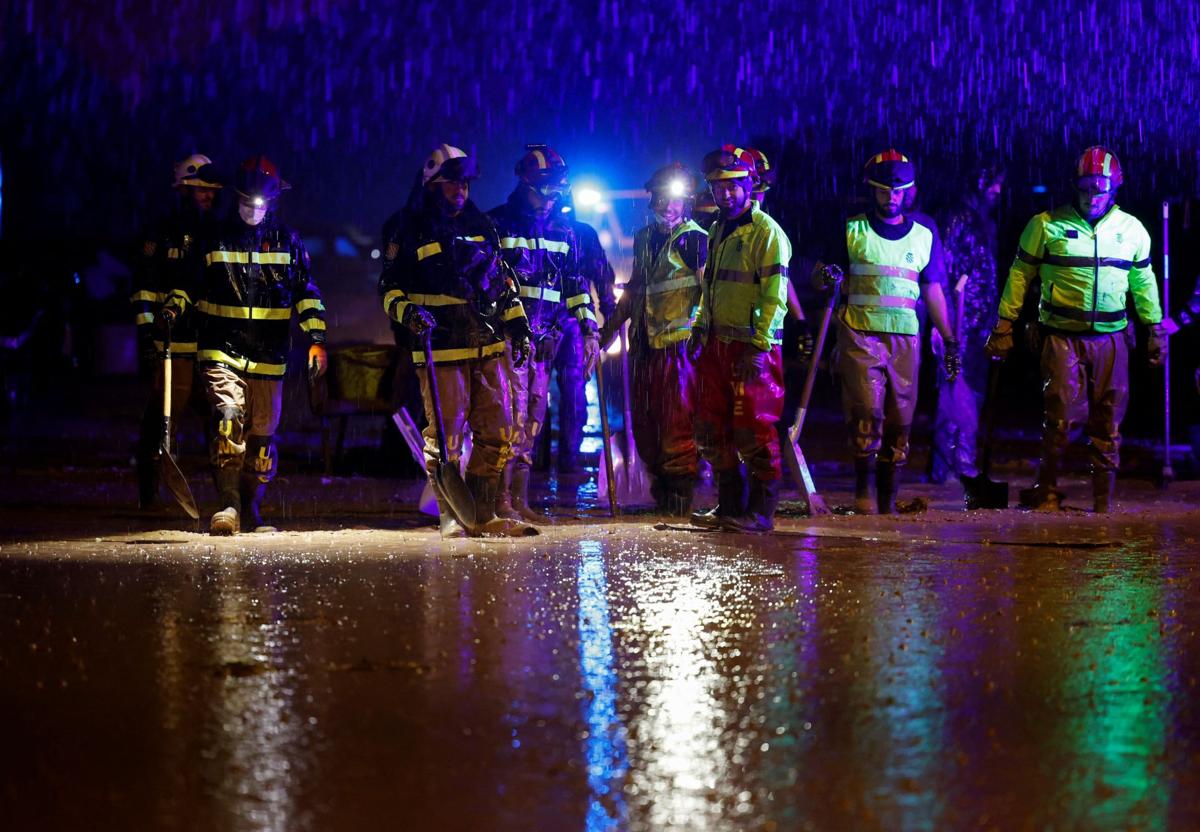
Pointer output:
x,y
167,383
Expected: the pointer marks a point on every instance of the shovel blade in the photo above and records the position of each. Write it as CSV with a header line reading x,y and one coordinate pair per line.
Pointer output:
x,y
454,492
982,492
177,484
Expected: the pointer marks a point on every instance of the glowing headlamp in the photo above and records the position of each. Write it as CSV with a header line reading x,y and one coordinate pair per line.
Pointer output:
x,y
677,188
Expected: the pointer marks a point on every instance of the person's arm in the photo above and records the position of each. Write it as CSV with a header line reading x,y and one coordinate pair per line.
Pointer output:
x,y
932,278
1030,252
773,287
1143,284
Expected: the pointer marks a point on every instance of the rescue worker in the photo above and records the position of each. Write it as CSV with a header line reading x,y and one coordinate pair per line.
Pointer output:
x,y
735,343
249,279
544,253
165,247
596,273
1090,256
662,298
894,261
443,279
969,245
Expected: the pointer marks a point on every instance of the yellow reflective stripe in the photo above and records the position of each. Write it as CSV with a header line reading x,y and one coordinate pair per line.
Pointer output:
x,y
428,250
585,313
243,364
179,349
514,312
312,323
882,300
478,239
174,254
558,246
465,354
436,300
279,258
548,295
147,296
688,281
309,303
884,271
246,313
144,318
576,300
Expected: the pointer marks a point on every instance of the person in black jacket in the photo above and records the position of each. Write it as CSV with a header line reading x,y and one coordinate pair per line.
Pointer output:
x,y
444,279
248,280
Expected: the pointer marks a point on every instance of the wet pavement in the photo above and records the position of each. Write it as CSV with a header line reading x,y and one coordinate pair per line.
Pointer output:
x,y
944,670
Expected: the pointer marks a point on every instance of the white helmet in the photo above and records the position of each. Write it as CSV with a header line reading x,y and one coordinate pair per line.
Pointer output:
x,y
196,171
438,168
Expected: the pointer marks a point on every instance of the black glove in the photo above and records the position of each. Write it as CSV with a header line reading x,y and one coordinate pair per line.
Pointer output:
x,y
952,360
417,319
806,342
695,343
1156,345
608,332
521,349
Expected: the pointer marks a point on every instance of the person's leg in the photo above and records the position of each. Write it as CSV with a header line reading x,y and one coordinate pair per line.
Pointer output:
x,y
1108,380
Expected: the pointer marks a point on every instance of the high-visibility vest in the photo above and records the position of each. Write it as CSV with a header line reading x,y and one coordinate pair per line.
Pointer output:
x,y
1087,273
672,287
883,286
745,282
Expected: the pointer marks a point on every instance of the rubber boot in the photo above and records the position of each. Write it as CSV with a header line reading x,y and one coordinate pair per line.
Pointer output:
x,y
1104,483
485,491
1043,495
519,491
864,501
252,494
226,521
760,508
731,490
504,507
885,487
677,497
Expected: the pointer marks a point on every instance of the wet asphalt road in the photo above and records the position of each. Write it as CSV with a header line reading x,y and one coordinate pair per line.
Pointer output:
x,y
855,673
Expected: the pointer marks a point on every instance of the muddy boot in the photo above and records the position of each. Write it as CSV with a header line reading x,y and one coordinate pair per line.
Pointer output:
x,y
519,491
226,521
731,490
1043,495
504,508
760,508
864,500
1104,483
885,487
253,492
485,490
677,499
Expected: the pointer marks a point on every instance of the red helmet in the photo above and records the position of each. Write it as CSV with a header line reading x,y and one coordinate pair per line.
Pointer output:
x,y
762,165
257,177
729,162
890,169
1099,161
543,169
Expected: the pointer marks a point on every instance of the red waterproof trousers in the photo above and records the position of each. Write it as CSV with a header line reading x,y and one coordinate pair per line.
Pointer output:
x,y
663,386
736,417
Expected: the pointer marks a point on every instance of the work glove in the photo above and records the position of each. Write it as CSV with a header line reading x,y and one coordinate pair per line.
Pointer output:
x,y
521,349
806,342
1156,345
1000,342
952,360
417,319
591,354
318,360
827,275
752,365
695,343
168,315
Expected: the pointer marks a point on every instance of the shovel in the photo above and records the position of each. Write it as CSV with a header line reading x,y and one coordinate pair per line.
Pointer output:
x,y
447,478
169,471
981,491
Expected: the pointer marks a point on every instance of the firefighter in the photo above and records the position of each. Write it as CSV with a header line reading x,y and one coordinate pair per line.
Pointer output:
x,y
443,279
544,253
735,343
662,298
249,279
1090,256
165,248
894,261
970,245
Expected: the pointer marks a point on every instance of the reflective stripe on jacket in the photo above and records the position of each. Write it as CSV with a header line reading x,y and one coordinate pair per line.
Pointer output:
x,y
745,281
1086,272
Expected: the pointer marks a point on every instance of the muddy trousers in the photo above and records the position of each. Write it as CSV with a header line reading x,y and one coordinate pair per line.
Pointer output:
x,y
879,391
663,401
572,397
245,411
474,393
183,370
956,423
1085,384
734,418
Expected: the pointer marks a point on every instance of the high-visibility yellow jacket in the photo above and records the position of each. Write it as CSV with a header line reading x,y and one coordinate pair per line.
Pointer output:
x,y
1087,271
667,283
888,264
744,294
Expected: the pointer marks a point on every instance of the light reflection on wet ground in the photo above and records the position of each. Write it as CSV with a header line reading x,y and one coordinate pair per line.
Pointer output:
x,y
848,675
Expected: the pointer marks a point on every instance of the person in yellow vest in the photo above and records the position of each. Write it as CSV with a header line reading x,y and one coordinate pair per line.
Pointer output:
x,y
735,342
1090,256
894,261
662,298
